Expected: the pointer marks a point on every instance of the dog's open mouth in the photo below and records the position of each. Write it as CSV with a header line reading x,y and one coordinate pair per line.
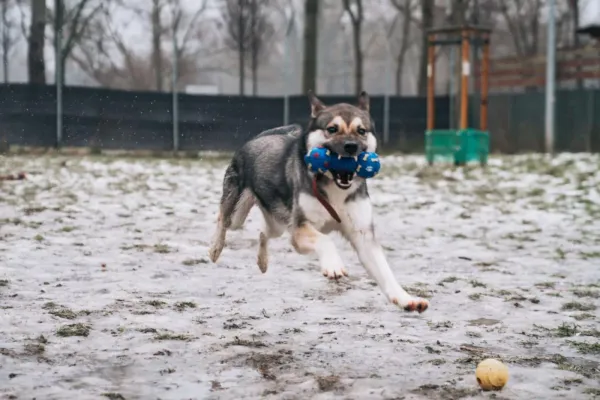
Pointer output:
x,y
343,179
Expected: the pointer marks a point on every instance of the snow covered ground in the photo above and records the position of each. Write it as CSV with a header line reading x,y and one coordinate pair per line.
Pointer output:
x,y
106,290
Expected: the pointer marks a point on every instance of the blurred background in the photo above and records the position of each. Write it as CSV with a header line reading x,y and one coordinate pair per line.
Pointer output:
x,y
209,74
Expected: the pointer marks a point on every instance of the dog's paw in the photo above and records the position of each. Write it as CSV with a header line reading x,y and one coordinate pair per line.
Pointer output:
x,y
411,304
334,273
333,267
262,261
214,252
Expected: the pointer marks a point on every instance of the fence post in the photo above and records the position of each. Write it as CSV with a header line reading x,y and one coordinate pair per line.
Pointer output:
x,y
509,131
58,32
386,101
550,77
290,18
451,88
175,95
590,117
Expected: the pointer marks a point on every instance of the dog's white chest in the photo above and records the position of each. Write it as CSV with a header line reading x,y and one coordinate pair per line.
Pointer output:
x,y
317,214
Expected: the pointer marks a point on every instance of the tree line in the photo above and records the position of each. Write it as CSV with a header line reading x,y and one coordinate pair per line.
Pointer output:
x,y
136,44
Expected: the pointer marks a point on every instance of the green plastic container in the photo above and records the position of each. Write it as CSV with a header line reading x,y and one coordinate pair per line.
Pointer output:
x,y
462,146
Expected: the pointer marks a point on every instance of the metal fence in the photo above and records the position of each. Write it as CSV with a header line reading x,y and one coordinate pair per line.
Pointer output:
x,y
516,121
112,119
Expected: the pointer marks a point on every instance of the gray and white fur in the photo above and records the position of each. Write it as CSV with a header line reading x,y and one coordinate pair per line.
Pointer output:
x,y
269,171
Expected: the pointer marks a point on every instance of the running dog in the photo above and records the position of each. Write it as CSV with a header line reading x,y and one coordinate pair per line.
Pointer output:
x,y
269,171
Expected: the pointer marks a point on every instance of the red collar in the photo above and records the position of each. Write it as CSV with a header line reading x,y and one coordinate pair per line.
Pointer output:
x,y
324,202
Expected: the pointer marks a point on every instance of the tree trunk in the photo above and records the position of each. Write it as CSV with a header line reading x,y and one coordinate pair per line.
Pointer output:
x,y
156,44
311,16
241,47
403,49
35,54
5,38
576,42
66,46
254,34
458,18
358,58
254,74
535,35
458,15
399,72
4,146
427,22
476,15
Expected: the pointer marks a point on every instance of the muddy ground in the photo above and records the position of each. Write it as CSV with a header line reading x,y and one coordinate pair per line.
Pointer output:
x,y
106,290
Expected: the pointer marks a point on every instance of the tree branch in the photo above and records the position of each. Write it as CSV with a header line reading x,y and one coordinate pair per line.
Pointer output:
x,y
192,23
78,29
355,18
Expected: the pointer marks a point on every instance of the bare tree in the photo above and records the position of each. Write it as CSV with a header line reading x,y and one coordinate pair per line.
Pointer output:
x,y
261,32
522,19
255,44
354,9
74,22
406,10
108,59
574,11
157,33
9,37
154,19
249,30
484,13
237,20
162,25
421,14
311,34
458,12
112,61
4,27
183,29
36,65
427,7
123,68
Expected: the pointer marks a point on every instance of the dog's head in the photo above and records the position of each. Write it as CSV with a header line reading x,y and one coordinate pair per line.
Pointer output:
x,y
345,129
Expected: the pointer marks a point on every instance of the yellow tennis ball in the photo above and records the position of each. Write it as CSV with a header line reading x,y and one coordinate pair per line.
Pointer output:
x,y
491,374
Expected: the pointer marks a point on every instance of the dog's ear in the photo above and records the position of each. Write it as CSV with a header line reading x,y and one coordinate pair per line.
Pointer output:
x,y
316,105
363,101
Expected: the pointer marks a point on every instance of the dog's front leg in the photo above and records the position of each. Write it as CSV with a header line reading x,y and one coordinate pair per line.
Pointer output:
x,y
357,227
307,239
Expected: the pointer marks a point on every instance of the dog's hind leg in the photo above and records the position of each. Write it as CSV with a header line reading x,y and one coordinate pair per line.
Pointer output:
x,y
218,239
242,209
229,201
271,229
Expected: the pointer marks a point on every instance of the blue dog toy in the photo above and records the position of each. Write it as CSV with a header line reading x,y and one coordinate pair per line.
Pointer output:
x,y
320,160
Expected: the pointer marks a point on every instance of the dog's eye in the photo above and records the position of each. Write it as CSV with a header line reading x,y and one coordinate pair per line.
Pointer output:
x,y
362,131
332,129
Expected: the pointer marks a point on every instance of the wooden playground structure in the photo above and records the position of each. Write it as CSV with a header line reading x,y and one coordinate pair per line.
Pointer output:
x,y
465,143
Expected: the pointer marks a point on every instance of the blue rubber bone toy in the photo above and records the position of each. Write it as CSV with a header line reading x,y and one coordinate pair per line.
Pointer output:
x,y
320,160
